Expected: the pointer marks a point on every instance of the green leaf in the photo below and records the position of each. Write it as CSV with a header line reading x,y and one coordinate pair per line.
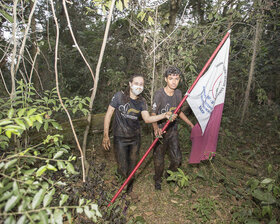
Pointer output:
x,y
69,217
14,127
8,133
51,167
39,118
46,126
264,197
6,195
81,201
48,198
58,216
21,220
7,16
30,112
41,170
87,212
10,220
267,181
119,5
29,121
143,16
5,122
38,198
10,163
70,168
43,217
20,123
15,188
58,154
80,210
63,199
126,3
56,125
11,113
38,126
60,165
11,203
150,20
21,112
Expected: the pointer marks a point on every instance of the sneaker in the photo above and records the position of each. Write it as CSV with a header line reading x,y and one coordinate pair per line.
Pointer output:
x,y
158,186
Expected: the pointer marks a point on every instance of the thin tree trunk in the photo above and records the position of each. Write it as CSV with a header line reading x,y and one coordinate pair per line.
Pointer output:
x,y
253,62
97,76
13,90
25,35
34,50
58,92
174,7
154,58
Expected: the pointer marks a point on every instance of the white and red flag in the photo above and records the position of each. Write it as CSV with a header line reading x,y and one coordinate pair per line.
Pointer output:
x,y
207,101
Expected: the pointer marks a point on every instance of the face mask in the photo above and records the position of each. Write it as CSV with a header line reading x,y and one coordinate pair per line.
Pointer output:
x,y
136,89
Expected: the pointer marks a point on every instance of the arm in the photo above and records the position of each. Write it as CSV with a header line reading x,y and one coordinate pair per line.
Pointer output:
x,y
106,140
151,119
157,130
185,119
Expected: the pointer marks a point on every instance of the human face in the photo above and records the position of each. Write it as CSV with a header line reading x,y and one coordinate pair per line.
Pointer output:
x,y
137,85
172,81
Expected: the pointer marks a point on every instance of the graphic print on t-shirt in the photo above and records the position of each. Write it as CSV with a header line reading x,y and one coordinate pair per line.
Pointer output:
x,y
128,112
167,108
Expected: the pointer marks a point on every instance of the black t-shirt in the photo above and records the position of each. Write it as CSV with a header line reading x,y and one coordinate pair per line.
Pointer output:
x,y
127,115
163,103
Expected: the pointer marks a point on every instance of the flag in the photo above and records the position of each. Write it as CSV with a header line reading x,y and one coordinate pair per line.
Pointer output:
x,y
207,101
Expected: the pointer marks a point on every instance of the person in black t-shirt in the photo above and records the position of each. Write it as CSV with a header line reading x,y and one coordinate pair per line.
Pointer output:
x,y
129,107
166,100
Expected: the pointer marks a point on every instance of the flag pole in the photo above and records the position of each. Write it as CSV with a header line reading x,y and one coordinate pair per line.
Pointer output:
x,y
168,122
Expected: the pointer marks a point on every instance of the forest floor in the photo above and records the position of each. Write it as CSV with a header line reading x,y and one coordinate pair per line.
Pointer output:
x,y
239,186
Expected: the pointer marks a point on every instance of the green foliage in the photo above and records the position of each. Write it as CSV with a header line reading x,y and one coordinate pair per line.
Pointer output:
x,y
28,190
266,197
205,207
266,193
261,95
29,194
179,177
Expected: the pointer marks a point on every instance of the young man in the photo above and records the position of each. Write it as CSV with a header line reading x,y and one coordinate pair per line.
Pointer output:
x,y
166,100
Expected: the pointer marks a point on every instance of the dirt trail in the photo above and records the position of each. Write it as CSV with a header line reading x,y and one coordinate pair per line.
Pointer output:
x,y
200,202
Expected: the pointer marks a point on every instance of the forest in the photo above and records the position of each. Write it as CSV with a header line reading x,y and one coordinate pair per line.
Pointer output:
x,y
61,62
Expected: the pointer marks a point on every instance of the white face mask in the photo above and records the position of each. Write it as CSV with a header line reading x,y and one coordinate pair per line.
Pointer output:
x,y
136,89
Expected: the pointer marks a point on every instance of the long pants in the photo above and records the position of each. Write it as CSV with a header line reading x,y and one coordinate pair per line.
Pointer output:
x,y
169,144
126,154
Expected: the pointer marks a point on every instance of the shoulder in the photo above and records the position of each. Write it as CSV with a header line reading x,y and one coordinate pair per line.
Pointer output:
x,y
143,101
159,91
116,99
177,91
118,95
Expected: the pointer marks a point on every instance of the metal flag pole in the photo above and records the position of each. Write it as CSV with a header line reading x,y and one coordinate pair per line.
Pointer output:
x,y
168,122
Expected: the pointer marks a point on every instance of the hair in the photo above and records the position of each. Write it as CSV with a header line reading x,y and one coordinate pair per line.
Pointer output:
x,y
172,70
127,90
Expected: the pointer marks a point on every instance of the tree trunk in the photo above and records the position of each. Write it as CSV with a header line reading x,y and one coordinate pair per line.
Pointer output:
x,y
252,67
96,78
13,80
174,7
34,50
